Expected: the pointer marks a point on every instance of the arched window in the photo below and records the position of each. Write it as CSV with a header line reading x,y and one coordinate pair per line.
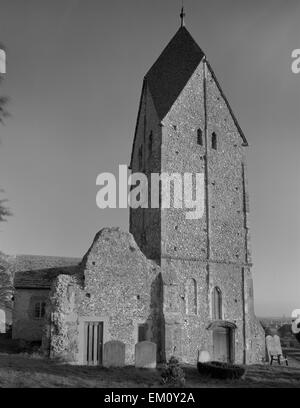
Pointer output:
x,y
191,297
199,137
214,141
217,304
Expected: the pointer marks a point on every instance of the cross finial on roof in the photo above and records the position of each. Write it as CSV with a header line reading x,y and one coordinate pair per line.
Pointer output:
x,y
182,15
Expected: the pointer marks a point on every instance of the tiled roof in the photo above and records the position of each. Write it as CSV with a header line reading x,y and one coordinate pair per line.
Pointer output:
x,y
39,271
172,70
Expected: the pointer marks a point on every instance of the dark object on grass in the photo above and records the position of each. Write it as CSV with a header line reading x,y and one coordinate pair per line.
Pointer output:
x,y
216,369
173,374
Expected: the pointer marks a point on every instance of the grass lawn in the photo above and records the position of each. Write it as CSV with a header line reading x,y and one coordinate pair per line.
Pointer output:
x,y
23,371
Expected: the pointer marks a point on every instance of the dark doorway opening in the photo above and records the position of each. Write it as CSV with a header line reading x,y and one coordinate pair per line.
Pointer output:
x,y
93,333
223,334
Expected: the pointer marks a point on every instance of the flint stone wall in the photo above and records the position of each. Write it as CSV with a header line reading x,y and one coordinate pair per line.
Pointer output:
x,y
214,250
117,285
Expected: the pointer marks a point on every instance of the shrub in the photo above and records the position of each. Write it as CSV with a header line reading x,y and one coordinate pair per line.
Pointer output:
x,y
173,374
220,370
28,347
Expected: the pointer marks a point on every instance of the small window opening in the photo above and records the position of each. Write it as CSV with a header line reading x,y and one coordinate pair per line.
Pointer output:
x,y
140,157
142,332
150,142
214,141
39,310
200,137
217,304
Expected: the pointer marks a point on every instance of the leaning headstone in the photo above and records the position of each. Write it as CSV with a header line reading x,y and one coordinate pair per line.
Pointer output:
x,y
114,354
277,344
271,346
145,355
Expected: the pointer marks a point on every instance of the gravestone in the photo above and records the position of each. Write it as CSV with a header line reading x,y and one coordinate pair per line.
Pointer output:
x,y
114,354
145,354
277,344
2,321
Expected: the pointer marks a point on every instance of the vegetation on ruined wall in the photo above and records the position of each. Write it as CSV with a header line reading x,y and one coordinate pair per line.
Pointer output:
x,y
60,306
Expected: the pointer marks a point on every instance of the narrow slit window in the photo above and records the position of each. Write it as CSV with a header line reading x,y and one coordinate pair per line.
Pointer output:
x,y
191,297
200,137
140,157
150,142
217,304
214,141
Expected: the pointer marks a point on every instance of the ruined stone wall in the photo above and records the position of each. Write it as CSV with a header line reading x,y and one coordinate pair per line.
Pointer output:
x,y
60,333
119,287
25,325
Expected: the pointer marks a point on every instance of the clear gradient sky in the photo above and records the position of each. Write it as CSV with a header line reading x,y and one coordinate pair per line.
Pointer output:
x,y
74,76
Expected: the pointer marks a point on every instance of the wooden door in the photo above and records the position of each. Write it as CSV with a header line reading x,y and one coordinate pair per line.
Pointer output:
x,y
93,342
222,344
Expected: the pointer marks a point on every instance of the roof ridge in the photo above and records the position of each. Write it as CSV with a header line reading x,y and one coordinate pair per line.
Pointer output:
x,y
47,256
171,71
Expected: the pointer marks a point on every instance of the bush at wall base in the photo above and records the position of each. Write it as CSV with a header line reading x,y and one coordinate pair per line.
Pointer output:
x,y
172,374
216,369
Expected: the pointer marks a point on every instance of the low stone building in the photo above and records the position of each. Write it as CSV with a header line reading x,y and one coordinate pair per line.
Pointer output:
x,y
33,276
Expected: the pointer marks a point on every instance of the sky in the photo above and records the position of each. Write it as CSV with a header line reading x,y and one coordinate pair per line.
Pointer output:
x,y
74,77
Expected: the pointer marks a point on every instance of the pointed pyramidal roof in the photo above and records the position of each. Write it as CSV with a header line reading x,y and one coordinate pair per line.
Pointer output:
x,y
171,72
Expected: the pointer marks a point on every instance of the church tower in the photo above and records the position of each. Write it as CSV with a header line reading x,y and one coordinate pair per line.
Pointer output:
x,y
186,125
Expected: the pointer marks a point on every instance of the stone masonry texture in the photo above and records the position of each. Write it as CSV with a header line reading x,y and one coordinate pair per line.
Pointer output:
x,y
214,250
117,284
163,274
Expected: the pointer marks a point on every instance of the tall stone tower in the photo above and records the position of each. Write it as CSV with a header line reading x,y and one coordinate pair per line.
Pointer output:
x,y
185,124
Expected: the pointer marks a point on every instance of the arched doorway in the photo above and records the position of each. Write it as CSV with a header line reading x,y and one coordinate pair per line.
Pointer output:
x,y
223,335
